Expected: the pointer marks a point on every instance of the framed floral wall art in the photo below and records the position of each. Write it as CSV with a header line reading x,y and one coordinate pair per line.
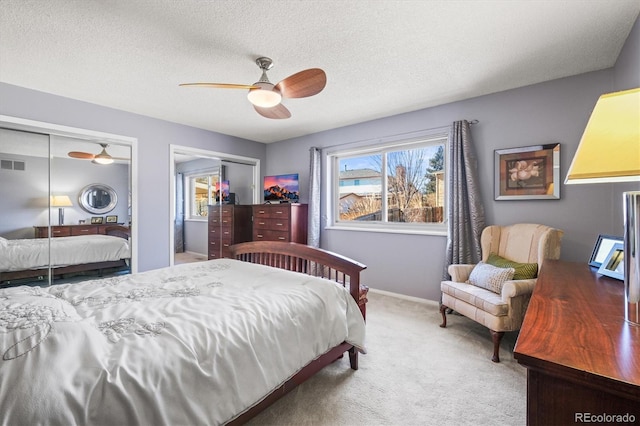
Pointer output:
x,y
528,173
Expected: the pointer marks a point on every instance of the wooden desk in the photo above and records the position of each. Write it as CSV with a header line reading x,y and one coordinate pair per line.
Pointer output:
x,y
583,359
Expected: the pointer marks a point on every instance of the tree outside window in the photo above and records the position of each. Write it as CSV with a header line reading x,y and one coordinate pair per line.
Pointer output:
x,y
411,189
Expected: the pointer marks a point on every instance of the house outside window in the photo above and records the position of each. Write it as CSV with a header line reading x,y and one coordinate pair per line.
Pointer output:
x,y
409,196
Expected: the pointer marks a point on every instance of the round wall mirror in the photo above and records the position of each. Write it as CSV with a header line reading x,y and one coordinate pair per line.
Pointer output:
x,y
97,198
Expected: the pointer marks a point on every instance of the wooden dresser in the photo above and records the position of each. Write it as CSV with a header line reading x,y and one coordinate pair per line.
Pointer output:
x,y
280,222
228,224
583,359
71,230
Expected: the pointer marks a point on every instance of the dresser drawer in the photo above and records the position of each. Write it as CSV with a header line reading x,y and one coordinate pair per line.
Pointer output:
x,y
84,230
269,235
220,220
61,231
272,211
220,248
278,224
220,231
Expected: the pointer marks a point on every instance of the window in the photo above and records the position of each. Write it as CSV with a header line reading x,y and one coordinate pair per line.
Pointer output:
x,y
409,196
201,190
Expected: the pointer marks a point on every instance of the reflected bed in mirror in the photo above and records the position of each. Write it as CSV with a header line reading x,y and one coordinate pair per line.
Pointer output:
x,y
27,260
98,198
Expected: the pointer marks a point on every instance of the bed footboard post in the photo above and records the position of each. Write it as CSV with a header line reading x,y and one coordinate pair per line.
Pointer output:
x,y
353,358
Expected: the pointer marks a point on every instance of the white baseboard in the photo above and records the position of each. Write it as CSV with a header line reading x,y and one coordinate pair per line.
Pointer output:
x,y
403,296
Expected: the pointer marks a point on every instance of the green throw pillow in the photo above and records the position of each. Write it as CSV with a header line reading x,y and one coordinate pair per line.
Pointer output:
x,y
524,271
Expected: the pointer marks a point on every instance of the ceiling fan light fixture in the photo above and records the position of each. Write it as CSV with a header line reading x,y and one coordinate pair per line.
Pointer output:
x,y
102,158
266,96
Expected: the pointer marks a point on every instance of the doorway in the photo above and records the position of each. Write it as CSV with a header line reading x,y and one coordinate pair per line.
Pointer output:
x,y
195,172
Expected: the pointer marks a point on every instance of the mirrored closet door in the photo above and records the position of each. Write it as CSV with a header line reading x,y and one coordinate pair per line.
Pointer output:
x,y
65,214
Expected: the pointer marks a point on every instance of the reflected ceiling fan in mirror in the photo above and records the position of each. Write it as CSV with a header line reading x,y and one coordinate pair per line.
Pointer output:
x,y
102,158
267,97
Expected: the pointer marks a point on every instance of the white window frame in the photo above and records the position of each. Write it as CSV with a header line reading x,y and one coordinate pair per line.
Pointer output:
x,y
190,192
332,183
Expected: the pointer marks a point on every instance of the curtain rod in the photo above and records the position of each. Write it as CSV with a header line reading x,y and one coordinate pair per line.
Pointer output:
x,y
381,139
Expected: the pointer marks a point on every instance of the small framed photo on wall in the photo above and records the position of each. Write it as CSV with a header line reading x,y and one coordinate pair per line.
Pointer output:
x,y
112,219
96,220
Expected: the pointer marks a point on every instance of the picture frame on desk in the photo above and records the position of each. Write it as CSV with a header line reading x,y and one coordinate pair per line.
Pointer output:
x,y
112,219
96,220
613,265
602,248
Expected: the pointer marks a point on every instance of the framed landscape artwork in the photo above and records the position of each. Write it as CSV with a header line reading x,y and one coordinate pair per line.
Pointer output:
x,y
528,173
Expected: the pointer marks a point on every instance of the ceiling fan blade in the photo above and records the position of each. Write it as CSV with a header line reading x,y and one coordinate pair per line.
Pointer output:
x,y
302,84
277,112
220,85
81,155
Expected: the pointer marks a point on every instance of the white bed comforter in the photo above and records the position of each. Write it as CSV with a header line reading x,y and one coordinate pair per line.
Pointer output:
x,y
19,255
193,344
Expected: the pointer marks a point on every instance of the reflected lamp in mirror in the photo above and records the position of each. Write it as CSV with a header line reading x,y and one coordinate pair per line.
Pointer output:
x,y
609,151
60,201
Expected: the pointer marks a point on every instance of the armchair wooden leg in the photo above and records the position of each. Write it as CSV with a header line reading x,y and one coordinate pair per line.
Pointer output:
x,y
496,336
443,311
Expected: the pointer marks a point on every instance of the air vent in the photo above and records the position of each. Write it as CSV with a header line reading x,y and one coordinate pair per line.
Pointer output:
x,y
12,165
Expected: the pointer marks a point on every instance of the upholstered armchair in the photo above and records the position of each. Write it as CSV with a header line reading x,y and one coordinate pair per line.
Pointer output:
x,y
493,292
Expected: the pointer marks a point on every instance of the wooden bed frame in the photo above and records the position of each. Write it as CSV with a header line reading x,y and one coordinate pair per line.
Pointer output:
x,y
311,261
7,278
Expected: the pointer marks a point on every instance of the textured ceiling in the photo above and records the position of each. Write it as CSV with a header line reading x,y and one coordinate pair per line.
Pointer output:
x,y
381,57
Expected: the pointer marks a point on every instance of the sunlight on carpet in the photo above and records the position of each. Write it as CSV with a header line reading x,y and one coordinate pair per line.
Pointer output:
x,y
414,373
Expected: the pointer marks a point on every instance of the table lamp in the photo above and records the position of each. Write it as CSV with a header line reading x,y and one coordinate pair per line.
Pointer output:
x,y
60,201
609,151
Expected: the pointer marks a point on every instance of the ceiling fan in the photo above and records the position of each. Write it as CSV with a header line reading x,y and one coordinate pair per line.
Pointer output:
x,y
102,158
266,97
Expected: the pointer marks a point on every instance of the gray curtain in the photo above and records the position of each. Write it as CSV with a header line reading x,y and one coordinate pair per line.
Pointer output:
x,y
179,225
465,215
313,231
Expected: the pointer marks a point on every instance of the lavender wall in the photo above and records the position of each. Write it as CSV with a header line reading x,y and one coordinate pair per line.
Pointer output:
x,y
154,137
627,69
555,111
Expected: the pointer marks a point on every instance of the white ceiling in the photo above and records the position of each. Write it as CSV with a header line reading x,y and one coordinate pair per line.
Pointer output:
x,y
381,57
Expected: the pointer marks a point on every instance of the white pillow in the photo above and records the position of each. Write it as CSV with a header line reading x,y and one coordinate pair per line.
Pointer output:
x,y
3,242
490,277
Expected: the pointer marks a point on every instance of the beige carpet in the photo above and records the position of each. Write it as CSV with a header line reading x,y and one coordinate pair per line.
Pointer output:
x,y
188,257
415,373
